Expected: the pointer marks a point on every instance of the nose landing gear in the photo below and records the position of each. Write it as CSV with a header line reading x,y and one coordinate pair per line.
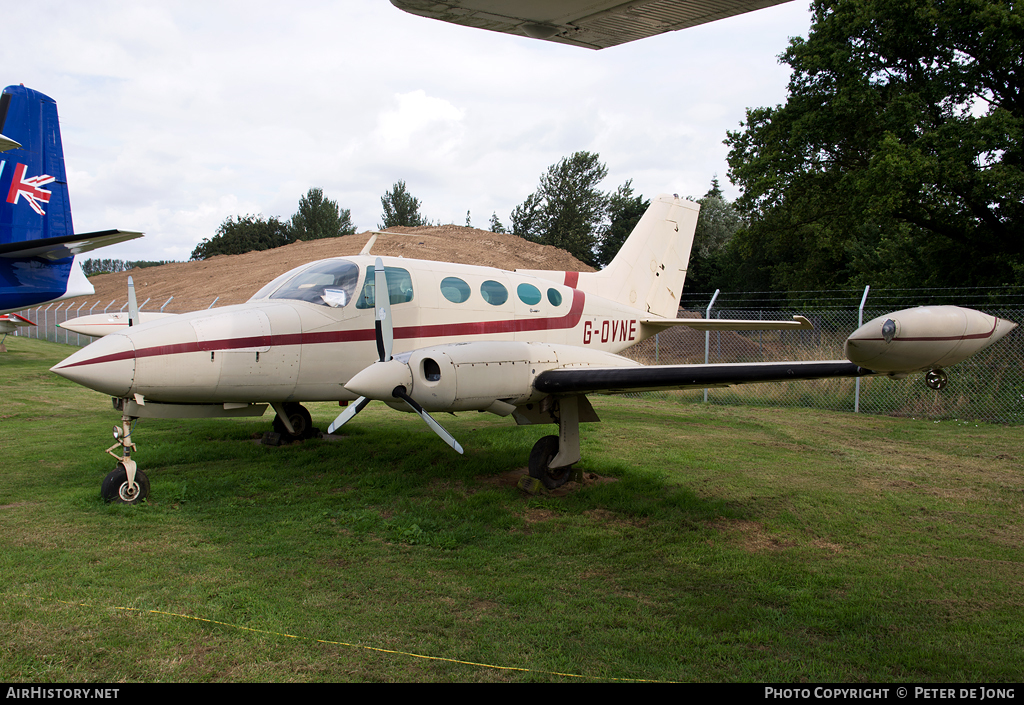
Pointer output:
x,y
126,484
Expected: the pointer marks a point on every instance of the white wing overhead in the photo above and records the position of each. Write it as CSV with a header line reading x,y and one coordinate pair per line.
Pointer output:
x,y
594,24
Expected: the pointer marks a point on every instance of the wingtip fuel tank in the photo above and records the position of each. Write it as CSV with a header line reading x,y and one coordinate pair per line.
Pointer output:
x,y
923,338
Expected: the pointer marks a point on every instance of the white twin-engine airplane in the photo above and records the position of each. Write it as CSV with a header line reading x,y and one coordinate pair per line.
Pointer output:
x,y
451,337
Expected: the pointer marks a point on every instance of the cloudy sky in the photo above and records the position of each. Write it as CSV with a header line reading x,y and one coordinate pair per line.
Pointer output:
x,y
175,115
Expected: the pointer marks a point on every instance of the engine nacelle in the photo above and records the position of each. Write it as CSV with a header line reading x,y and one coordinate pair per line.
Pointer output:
x,y
491,376
924,338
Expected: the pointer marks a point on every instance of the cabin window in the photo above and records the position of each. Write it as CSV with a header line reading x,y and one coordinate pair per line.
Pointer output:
x,y
528,294
494,292
554,297
399,287
455,290
328,283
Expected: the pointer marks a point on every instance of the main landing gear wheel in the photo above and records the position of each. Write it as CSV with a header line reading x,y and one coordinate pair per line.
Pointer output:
x,y
543,452
300,419
936,379
115,487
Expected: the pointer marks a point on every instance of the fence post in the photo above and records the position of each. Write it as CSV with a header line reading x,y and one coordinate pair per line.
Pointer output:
x,y
165,304
211,305
860,322
78,336
707,338
46,318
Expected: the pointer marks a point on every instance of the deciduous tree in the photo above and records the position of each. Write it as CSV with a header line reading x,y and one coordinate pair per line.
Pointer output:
x,y
624,212
236,236
898,157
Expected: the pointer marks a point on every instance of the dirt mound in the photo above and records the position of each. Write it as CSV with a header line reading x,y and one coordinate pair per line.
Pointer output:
x,y
684,346
234,278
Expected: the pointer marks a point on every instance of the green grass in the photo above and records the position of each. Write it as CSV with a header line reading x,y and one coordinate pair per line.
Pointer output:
x,y
710,544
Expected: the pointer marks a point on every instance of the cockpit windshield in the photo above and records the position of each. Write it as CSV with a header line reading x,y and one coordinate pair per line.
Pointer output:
x,y
328,283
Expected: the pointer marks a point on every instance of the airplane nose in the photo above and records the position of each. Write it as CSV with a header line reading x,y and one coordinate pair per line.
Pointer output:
x,y
106,365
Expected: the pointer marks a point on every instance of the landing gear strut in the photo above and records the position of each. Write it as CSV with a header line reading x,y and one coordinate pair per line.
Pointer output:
x,y
544,451
552,457
293,421
126,483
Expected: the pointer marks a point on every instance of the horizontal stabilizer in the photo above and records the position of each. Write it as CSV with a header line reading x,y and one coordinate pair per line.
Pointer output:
x,y
100,324
798,323
55,248
10,322
7,143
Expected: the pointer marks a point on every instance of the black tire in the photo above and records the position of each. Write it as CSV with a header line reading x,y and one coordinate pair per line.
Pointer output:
x,y
301,421
115,486
543,452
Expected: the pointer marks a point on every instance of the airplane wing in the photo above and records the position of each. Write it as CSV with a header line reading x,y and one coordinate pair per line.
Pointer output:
x,y
593,24
55,248
10,322
621,380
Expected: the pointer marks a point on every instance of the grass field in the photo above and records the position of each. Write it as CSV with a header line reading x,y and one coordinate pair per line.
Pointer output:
x,y
707,544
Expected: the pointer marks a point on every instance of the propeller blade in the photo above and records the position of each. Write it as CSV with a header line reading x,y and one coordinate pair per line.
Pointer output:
x,y
133,306
346,416
434,425
382,298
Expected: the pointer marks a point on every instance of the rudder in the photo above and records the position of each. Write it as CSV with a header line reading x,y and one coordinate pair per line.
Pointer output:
x,y
650,268
34,203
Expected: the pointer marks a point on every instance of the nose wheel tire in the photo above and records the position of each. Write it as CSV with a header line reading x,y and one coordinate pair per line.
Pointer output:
x,y
543,452
115,487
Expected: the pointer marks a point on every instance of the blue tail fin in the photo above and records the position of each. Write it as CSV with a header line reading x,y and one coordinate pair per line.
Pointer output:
x,y
34,201
37,239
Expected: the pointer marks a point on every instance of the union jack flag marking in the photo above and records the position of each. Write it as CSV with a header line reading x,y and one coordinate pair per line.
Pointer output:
x,y
30,189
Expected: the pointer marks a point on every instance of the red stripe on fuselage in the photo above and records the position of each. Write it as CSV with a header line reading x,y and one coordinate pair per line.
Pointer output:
x,y
934,339
444,330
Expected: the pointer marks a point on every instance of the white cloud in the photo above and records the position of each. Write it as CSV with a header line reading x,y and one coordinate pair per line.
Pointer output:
x,y
177,115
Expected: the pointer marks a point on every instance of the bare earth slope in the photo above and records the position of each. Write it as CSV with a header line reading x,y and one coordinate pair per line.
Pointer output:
x,y
234,278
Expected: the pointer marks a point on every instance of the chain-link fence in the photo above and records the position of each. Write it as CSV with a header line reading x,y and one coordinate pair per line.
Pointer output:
x,y
47,319
988,386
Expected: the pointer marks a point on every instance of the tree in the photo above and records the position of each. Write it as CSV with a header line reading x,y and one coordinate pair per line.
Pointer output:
x,y
495,225
244,234
400,208
624,212
567,209
717,223
898,157
319,217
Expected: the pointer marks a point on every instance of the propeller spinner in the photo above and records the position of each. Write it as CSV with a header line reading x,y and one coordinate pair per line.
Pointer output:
x,y
387,378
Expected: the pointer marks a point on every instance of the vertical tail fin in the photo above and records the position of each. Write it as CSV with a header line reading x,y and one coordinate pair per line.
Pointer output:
x,y
649,270
38,242
34,202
